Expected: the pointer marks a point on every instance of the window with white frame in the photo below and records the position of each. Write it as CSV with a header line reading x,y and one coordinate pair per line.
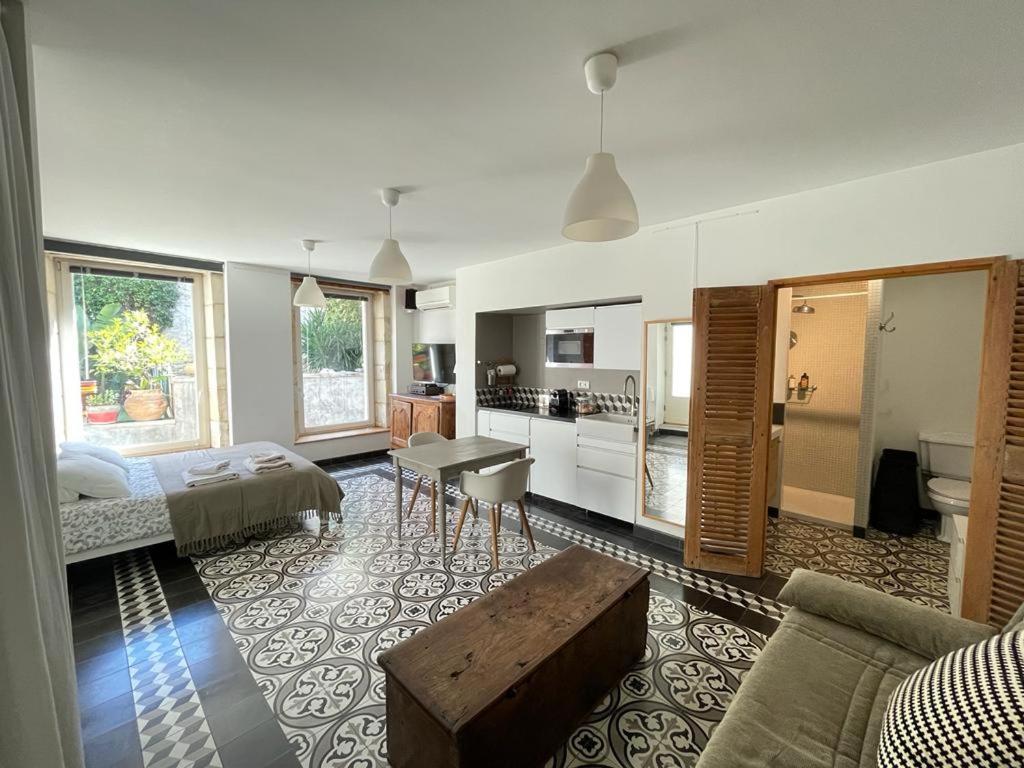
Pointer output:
x,y
131,355
334,363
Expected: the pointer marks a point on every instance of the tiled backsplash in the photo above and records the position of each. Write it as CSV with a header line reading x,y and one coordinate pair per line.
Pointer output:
x,y
536,397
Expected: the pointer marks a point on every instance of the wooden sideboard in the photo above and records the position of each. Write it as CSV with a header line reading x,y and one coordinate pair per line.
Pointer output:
x,y
420,413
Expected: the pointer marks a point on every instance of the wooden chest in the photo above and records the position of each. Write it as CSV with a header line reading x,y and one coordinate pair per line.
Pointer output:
x,y
504,681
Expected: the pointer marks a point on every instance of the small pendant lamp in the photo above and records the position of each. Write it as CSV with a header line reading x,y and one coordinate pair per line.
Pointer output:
x,y
601,207
389,265
309,293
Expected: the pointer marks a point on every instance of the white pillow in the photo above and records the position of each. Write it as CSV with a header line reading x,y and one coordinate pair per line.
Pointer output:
x,y
89,476
108,455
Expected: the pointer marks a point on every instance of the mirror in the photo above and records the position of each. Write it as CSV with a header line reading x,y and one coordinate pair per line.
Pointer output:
x,y
668,346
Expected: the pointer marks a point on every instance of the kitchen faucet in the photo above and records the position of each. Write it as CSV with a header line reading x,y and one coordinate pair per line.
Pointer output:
x,y
632,400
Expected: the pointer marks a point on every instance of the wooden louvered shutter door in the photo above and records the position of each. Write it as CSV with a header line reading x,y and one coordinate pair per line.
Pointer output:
x,y
994,561
730,424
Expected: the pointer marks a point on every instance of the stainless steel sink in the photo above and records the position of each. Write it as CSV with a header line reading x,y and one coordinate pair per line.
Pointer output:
x,y
617,427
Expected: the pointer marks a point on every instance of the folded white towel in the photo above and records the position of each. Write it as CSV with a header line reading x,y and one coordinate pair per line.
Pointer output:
x,y
194,481
258,468
210,467
267,457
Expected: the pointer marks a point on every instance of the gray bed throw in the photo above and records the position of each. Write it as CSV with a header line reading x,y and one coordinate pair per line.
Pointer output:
x,y
222,513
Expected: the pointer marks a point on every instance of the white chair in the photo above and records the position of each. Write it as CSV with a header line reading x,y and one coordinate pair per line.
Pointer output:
x,y
507,484
425,438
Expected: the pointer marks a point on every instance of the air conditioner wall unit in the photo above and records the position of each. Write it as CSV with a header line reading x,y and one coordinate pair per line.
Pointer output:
x,y
436,298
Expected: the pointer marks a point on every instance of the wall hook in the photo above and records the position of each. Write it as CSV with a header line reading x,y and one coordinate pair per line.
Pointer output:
x,y
884,327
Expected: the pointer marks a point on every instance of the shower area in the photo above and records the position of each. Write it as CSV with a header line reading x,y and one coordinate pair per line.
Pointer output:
x,y
822,397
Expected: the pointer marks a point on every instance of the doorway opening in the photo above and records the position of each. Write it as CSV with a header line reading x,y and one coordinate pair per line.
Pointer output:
x,y
875,389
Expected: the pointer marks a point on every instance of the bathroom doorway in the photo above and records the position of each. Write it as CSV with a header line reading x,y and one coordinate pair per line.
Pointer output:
x,y
877,381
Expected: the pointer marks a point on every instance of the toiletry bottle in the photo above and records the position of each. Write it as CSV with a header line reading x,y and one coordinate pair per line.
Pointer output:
x,y
805,381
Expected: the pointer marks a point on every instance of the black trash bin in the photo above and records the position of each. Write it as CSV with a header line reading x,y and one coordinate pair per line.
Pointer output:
x,y
894,503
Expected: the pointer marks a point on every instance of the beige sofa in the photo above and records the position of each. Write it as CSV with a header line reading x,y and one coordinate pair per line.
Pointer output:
x,y
818,692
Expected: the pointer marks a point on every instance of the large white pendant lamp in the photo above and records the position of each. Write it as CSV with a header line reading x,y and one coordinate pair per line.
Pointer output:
x,y
309,293
389,265
601,207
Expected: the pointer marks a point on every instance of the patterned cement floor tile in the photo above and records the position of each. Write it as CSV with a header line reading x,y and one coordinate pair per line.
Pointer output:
x,y
914,567
311,614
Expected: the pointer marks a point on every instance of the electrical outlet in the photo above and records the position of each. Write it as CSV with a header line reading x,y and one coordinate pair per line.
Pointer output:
x,y
582,384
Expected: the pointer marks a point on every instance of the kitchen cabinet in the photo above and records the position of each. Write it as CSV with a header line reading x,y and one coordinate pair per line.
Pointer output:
x,y
606,477
507,426
511,428
576,317
483,423
553,446
617,333
606,494
420,413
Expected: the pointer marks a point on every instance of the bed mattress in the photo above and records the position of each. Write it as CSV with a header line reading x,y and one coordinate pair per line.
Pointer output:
x,y
94,523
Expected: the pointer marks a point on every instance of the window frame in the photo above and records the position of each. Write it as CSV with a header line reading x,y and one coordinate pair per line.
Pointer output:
x,y
323,432
67,338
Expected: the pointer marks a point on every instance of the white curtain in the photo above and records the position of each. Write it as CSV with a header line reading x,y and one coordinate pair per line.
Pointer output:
x,y
38,708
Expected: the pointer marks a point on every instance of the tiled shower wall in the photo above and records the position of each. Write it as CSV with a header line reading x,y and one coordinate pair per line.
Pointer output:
x,y
822,433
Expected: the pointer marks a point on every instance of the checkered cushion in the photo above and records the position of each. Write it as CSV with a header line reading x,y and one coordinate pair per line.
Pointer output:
x,y
964,709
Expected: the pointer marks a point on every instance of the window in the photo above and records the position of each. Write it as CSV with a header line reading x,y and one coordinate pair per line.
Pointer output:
x,y
334,364
131,356
682,359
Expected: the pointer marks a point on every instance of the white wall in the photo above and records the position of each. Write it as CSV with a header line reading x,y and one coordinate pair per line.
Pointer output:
x,y
929,367
956,209
403,334
261,396
435,326
783,327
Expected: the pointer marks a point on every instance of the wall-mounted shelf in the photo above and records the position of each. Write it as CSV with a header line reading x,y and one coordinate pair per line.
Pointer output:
x,y
803,394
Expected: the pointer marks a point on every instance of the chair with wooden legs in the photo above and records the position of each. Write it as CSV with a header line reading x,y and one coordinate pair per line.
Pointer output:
x,y
495,488
417,439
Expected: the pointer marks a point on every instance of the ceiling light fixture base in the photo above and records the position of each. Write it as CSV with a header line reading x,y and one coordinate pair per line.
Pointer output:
x,y
389,197
601,71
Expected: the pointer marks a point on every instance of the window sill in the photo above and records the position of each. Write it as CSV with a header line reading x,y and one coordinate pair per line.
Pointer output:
x,y
341,433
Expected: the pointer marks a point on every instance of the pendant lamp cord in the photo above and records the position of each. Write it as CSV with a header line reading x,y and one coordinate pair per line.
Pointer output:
x,y
389,222
309,262
601,139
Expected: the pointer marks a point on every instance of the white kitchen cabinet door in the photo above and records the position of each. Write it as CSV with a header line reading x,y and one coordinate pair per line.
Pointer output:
x,y
483,423
553,445
511,424
576,317
606,494
617,333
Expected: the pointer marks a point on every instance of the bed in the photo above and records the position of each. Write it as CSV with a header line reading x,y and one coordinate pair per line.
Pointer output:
x,y
97,527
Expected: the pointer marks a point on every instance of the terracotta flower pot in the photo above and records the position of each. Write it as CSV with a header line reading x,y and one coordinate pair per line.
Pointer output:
x,y
145,404
102,414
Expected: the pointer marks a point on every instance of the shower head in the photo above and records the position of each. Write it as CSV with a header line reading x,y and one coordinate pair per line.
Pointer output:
x,y
803,309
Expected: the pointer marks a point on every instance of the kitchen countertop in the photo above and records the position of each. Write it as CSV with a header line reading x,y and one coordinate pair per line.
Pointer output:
x,y
536,413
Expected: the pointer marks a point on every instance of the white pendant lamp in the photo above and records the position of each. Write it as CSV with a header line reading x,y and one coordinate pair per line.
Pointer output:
x,y
601,207
309,293
389,265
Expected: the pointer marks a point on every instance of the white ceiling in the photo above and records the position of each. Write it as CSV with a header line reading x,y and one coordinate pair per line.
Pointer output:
x,y
231,129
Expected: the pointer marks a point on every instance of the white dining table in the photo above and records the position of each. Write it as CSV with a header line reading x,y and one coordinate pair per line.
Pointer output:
x,y
445,460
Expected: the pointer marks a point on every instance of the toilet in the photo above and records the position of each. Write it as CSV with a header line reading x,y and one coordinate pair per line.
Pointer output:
x,y
946,461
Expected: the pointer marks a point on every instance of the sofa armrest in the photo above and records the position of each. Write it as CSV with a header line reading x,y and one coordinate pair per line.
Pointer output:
x,y
924,631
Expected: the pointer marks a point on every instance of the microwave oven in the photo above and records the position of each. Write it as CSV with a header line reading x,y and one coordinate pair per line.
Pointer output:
x,y
569,348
